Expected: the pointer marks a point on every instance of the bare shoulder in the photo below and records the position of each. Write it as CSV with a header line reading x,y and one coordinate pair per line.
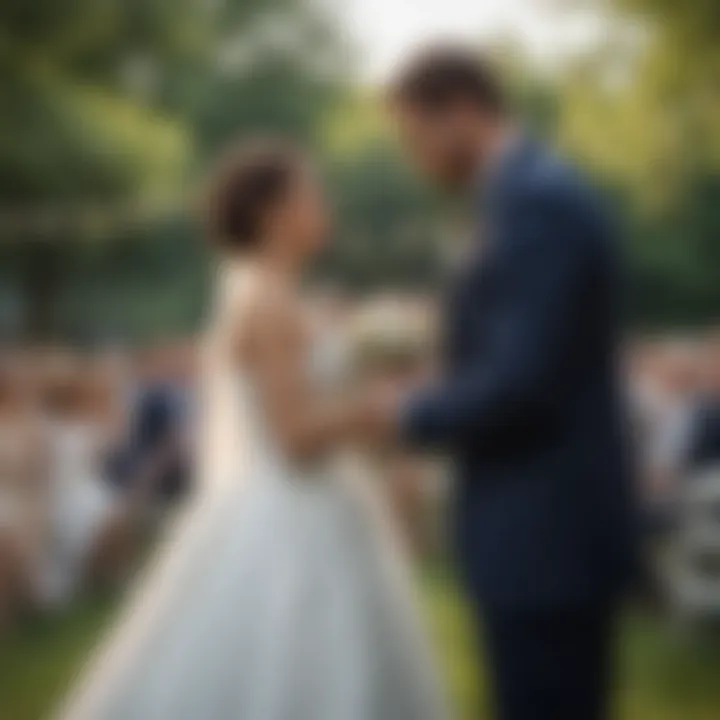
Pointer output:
x,y
274,323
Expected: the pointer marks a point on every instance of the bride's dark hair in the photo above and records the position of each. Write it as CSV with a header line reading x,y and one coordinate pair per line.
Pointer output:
x,y
248,182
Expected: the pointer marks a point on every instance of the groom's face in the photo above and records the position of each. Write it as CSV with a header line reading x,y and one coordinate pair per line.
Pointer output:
x,y
441,143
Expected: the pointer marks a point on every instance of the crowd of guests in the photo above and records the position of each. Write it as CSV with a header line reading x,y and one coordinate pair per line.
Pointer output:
x,y
676,395
93,447
96,446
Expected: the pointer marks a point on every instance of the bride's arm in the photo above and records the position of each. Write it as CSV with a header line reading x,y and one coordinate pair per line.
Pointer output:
x,y
305,422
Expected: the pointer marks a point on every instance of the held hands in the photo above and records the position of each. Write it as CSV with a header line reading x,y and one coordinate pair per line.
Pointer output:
x,y
385,397
383,394
383,401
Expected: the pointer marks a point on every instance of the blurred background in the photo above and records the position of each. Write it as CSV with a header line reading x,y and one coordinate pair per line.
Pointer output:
x,y
111,110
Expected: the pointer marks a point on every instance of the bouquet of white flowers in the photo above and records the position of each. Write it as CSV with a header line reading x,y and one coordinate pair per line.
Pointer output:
x,y
394,338
392,335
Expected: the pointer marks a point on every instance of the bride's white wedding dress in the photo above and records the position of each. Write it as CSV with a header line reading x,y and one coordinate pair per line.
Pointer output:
x,y
281,595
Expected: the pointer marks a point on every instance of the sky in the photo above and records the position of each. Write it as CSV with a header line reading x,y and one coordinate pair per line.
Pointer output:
x,y
386,30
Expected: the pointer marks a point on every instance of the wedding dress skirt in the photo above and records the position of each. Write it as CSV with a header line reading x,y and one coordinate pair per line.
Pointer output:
x,y
281,597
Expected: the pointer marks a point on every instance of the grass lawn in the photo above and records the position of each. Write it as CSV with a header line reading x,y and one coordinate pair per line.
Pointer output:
x,y
664,675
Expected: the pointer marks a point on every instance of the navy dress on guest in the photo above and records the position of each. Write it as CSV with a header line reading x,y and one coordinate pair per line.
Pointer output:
x,y
159,418
530,411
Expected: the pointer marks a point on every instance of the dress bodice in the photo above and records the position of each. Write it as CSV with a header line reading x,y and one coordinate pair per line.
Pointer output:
x,y
236,435
327,367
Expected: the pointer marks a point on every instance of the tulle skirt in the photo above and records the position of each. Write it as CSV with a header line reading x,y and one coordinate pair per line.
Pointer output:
x,y
288,600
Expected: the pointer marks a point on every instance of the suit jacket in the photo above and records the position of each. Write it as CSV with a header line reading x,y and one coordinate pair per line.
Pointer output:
x,y
529,408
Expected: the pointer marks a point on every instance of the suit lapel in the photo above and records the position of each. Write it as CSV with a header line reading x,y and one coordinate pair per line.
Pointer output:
x,y
465,299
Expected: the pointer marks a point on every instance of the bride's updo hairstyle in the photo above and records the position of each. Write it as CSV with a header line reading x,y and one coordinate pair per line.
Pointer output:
x,y
248,183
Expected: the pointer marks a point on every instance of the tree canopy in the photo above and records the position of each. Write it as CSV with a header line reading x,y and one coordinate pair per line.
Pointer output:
x,y
113,108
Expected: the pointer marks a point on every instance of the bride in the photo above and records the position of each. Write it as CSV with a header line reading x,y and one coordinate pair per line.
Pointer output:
x,y
280,594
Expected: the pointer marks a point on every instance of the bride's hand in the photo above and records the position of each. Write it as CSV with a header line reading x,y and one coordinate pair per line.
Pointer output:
x,y
381,402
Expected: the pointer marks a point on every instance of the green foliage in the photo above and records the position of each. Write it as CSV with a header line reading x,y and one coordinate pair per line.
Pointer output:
x,y
111,109
387,222
664,675
648,124
65,142
40,660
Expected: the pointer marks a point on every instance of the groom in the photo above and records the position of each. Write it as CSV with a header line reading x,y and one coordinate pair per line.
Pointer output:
x,y
529,404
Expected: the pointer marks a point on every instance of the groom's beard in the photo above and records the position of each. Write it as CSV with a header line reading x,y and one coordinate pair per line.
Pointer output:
x,y
460,174
458,168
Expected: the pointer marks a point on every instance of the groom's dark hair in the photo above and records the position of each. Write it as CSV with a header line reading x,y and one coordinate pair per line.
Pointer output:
x,y
440,76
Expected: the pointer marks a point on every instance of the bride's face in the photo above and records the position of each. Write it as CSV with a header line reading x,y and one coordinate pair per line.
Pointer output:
x,y
303,218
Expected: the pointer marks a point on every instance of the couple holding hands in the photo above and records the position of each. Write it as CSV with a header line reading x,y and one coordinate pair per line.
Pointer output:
x,y
280,593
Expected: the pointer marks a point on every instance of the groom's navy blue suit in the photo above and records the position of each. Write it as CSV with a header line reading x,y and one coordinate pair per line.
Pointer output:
x,y
530,411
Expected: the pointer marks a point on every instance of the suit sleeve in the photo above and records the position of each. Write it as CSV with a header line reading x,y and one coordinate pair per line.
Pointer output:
x,y
511,390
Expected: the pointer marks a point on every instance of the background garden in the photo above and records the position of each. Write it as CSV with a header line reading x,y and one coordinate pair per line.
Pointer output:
x,y
110,111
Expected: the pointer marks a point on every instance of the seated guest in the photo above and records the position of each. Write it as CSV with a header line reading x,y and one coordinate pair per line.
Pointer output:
x,y
158,458
682,440
703,447
676,412
664,388
113,371
90,528
646,392
23,492
13,571
106,409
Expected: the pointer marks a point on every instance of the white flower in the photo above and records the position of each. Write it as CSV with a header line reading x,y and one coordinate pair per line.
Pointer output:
x,y
391,329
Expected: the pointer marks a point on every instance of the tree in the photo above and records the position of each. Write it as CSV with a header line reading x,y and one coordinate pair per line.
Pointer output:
x,y
76,148
647,122
110,106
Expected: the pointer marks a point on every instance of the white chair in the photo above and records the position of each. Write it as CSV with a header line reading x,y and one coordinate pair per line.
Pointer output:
x,y
691,566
